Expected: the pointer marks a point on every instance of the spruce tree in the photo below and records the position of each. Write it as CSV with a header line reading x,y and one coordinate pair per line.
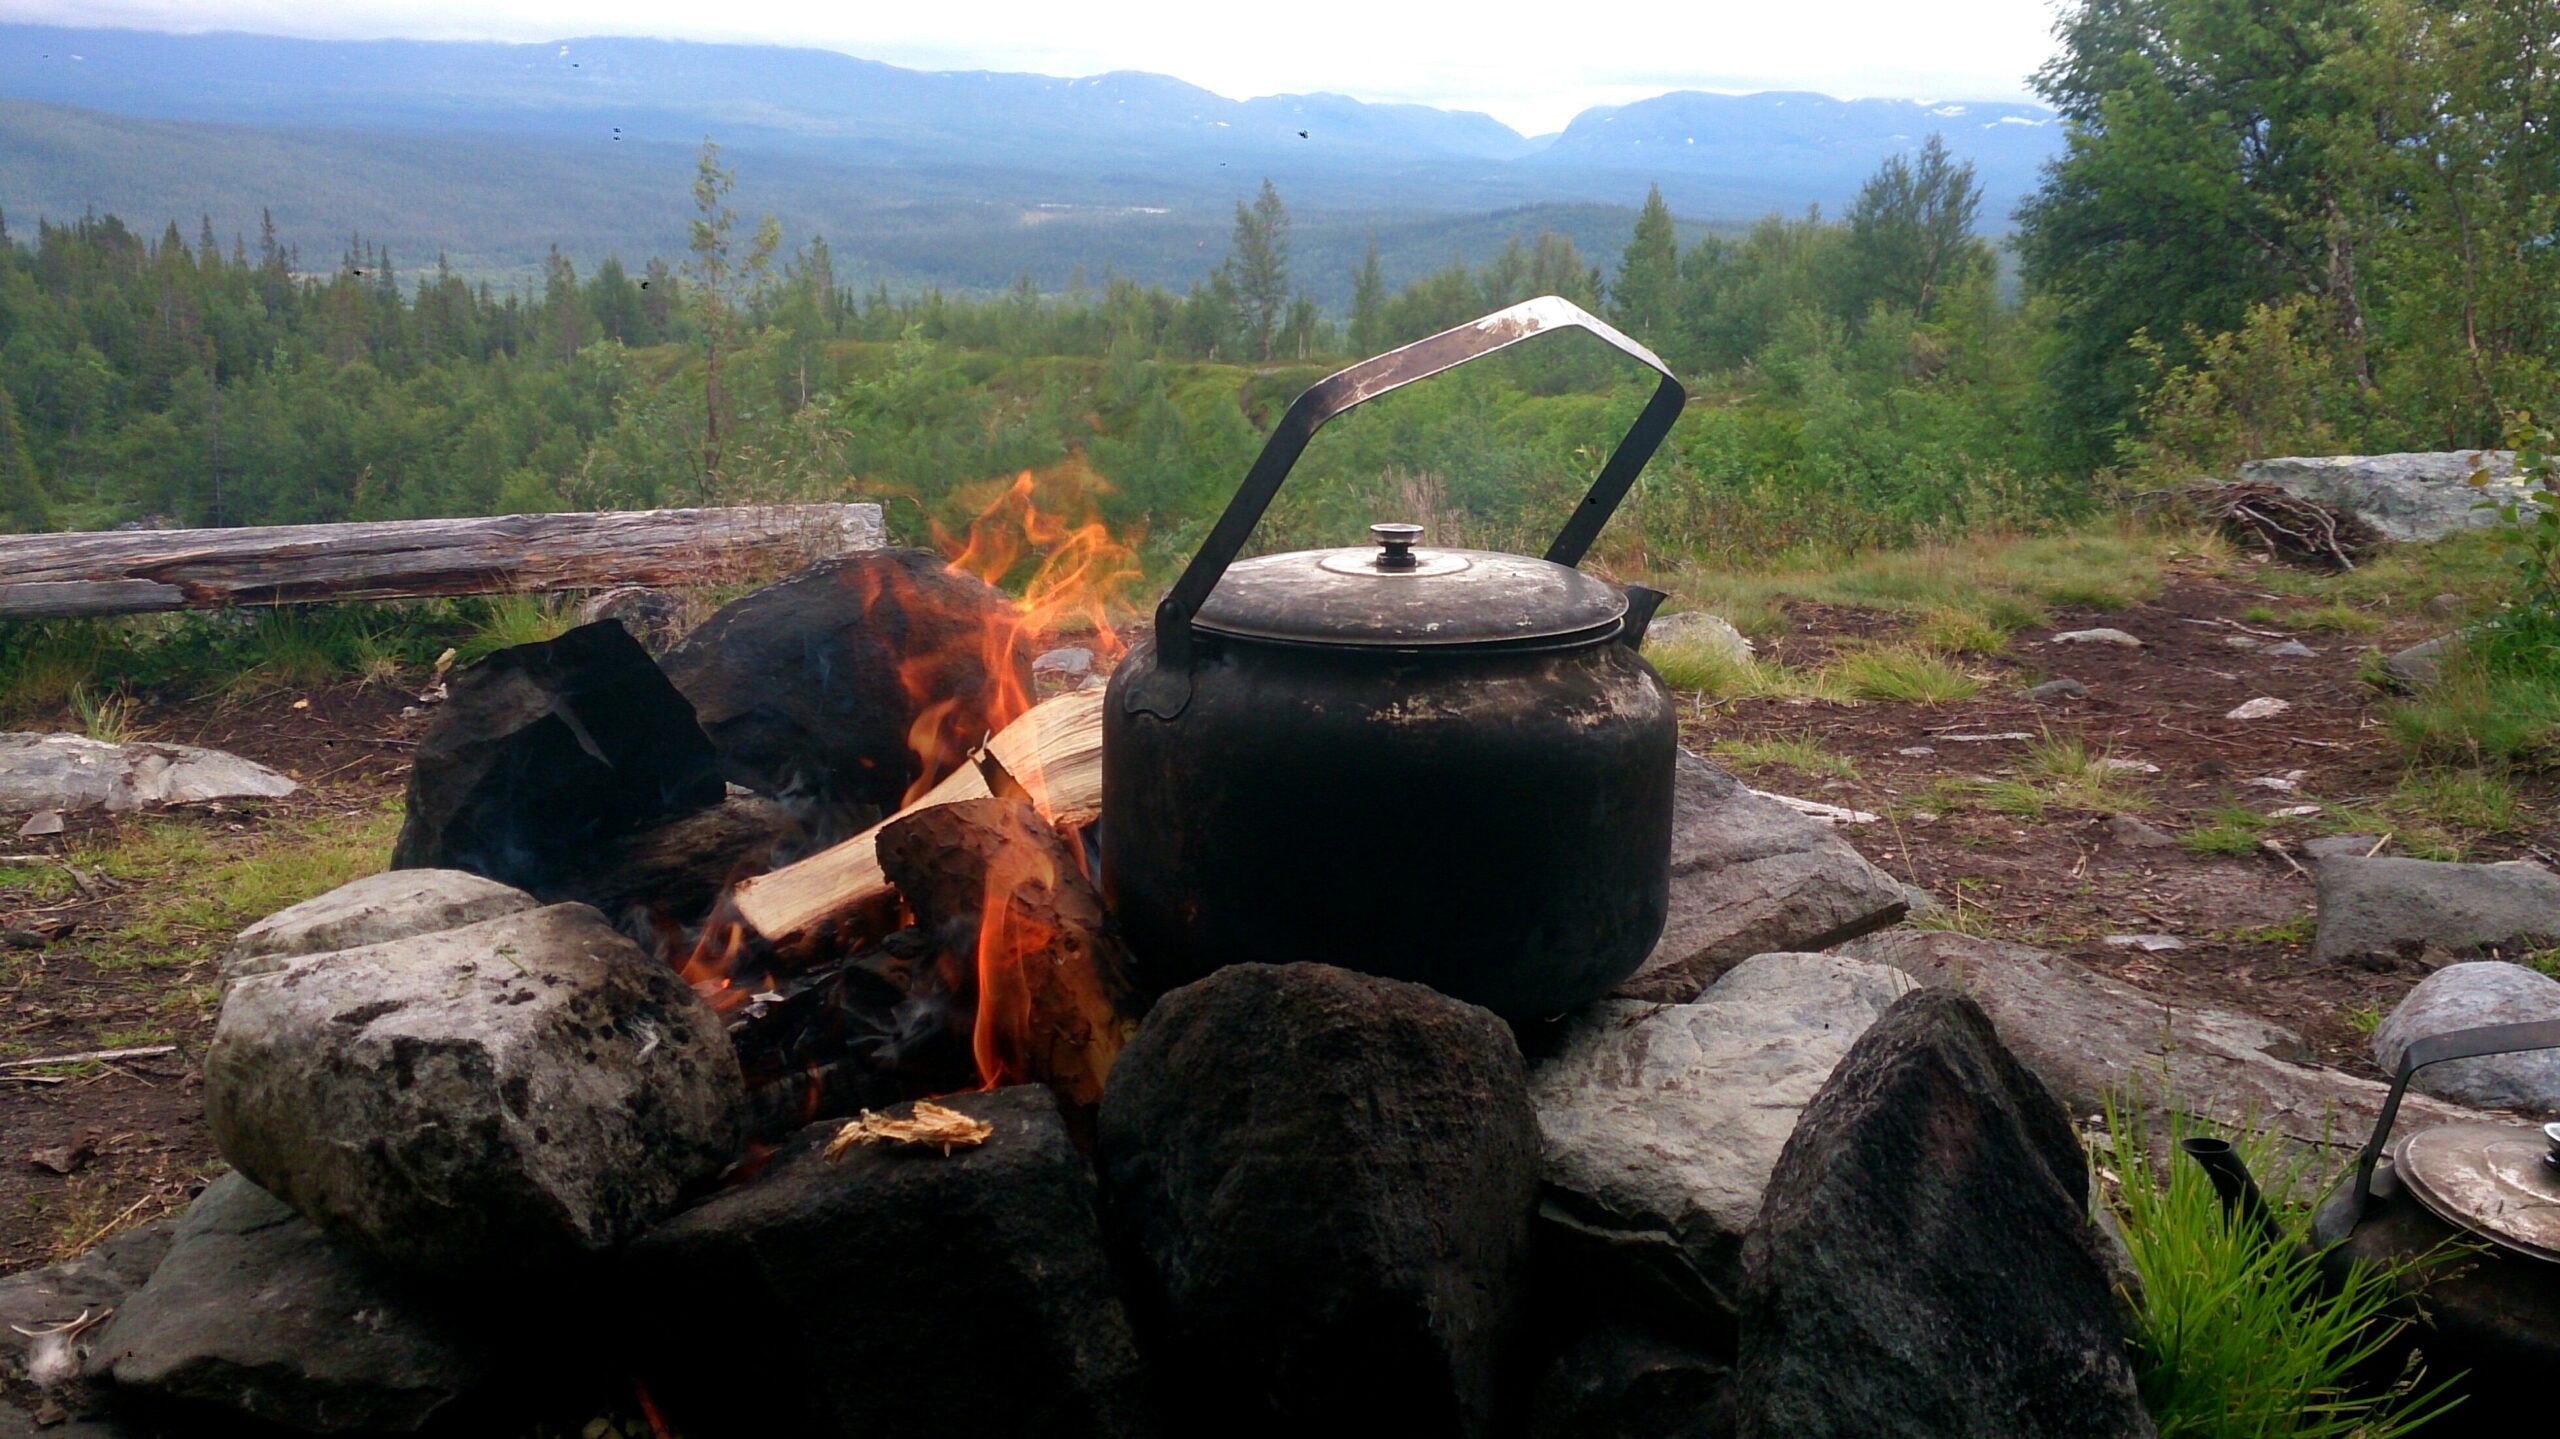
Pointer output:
x,y
1368,305
1648,286
22,506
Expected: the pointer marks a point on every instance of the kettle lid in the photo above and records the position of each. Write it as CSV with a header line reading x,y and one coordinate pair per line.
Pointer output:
x,y
1400,595
2499,1181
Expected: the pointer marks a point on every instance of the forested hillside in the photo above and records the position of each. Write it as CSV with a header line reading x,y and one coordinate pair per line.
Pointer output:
x,y
2274,229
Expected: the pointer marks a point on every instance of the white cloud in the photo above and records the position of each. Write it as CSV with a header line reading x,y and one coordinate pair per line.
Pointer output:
x,y
1532,66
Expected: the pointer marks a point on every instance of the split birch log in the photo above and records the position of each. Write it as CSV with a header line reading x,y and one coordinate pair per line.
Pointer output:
x,y
126,572
1006,898
1053,753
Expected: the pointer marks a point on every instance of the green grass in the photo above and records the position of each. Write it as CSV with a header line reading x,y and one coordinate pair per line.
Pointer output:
x,y
2297,930
2232,829
1962,632
2480,711
2337,617
1902,674
199,885
2078,777
107,718
1719,674
1802,754
2239,1338
2363,1018
504,621
2459,799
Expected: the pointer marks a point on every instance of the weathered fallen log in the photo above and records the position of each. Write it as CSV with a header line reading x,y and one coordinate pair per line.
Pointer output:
x,y
1053,753
139,571
1005,899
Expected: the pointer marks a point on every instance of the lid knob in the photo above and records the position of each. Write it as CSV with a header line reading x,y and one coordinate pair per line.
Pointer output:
x,y
1395,545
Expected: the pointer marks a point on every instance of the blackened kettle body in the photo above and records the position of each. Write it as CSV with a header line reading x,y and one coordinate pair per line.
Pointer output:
x,y
1440,765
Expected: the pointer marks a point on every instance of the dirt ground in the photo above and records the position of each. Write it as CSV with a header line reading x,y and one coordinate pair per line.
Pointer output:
x,y
131,1134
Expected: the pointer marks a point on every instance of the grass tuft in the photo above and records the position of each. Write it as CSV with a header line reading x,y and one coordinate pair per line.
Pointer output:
x,y
1802,754
1902,674
2240,1337
2233,829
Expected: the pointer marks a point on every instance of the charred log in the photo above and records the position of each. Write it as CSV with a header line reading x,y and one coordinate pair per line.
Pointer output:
x,y
1003,898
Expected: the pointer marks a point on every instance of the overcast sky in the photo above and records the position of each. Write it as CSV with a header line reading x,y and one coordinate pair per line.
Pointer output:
x,y
1531,66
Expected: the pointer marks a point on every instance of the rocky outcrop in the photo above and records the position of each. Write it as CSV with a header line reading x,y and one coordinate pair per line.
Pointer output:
x,y
257,1313
66,772
2409,496
1326,1179
519,1093
2466,996
1924,1264
1661,1124
2378,911
1751,876
2087,1035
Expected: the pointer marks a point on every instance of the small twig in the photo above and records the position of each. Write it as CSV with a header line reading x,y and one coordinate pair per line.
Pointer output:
x,y
2378,844
109,1227
91,1057
31,1078
2279,851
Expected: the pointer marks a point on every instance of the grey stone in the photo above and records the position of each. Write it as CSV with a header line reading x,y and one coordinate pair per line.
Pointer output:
x,y
518,1093
395,904
2100,636
42,823
59,1294
2447,605
2420,664
2147,943
2408,496
1328,1178
1698,630
2263,707
1924,1264
2341,846
2241,642
1068,663
1751,876
653,617
897,1293
2381,909
2290,650
73,772
1662,1123
2088,1035
2134,833
2464,996
257,1312
2062,688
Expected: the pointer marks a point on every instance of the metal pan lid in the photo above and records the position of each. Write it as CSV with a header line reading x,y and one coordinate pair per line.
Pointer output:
x,y
1401,595
2491,1179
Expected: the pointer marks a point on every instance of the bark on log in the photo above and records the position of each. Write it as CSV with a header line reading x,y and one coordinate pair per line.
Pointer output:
x,y
139,571
1053,752
1057,996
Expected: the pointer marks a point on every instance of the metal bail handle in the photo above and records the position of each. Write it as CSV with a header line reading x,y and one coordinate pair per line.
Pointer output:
x,y
2338,1217
1346,389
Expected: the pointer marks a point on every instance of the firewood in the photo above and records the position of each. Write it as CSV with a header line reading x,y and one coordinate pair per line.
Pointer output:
x,y
1005,895
1053,753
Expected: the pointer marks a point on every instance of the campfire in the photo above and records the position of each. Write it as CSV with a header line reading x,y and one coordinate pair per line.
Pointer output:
x,y
959,943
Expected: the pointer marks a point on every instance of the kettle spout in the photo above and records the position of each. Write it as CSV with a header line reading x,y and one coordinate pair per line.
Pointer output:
x,y
1641,603
2233,1184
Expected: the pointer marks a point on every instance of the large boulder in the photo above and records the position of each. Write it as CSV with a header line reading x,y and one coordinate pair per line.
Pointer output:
x,y
2466,996
547,751
896,1293
73,772
2409,496
1327,1179
1751,876
1924,1263
1663,1122
395,904
258,1313
812,687
2385,909
2089,1036
521,1092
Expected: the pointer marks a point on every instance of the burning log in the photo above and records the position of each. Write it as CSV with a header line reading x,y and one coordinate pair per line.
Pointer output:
x,y
1053,754
1005,899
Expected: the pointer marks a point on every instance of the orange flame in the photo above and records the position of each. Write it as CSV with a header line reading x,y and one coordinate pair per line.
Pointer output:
x,y
1009,937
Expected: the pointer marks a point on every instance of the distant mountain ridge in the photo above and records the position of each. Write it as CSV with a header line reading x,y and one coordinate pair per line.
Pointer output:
x,y
1128,141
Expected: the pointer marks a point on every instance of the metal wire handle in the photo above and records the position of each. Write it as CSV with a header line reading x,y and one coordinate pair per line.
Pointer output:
x,y
1365,381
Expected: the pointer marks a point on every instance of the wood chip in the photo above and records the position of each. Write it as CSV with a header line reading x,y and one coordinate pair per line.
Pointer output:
x,y
930,1127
